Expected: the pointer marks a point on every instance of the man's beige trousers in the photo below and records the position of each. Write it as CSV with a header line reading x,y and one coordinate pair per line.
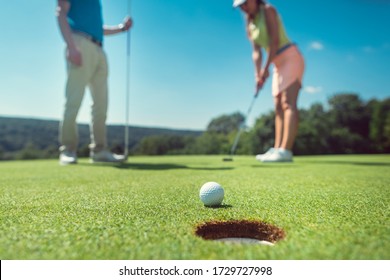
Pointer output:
x,y
92,73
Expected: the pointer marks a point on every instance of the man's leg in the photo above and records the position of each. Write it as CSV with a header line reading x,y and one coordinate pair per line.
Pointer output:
x,y
78,77
99,92
74,93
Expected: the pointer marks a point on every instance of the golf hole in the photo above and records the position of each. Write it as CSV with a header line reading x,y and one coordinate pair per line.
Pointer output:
x,y
241,232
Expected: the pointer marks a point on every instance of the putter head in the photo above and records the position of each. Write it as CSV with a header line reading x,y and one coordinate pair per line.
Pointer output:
x,y
228,159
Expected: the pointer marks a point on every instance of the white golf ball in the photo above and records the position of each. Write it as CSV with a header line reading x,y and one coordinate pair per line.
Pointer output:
x,y
211,194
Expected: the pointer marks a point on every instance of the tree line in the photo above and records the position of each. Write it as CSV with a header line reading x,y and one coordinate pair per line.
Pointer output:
x,y
22,138
345,125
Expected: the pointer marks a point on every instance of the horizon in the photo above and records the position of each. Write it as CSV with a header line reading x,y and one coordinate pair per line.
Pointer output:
x,y
183,75
108,124
86,122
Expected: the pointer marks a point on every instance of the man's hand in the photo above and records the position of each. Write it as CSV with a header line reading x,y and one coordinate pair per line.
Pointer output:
x,y
74,56
127,24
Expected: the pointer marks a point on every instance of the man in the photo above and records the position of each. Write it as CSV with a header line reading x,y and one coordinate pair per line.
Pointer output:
x,y
81,26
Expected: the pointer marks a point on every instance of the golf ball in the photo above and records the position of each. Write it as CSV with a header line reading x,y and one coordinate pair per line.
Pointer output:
x,y
211,194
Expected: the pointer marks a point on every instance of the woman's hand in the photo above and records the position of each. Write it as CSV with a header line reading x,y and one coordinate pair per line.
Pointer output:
x,y
261,78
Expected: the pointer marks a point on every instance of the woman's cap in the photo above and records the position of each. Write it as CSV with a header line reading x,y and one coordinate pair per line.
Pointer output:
x,y
237,3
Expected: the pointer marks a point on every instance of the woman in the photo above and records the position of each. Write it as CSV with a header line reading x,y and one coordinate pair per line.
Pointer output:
x,y
265,30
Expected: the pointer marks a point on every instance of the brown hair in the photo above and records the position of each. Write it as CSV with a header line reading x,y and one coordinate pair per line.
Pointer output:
x,y
259,2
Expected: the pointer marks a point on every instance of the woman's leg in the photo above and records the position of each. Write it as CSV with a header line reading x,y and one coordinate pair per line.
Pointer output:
x,y
290,115
278,128
279,117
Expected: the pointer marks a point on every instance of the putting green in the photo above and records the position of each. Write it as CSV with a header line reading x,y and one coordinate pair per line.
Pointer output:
x,y
329,207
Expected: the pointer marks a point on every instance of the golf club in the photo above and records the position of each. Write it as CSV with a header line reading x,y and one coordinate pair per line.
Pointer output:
x,y
127,87
241,129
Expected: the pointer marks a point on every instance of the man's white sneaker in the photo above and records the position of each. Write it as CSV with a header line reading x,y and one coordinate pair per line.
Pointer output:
x,y
280,155
106,156
67,157
260,157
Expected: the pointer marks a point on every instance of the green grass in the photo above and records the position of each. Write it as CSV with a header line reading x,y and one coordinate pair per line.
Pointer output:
x,y
331,207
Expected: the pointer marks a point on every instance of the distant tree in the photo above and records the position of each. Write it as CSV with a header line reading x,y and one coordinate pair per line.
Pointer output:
x,y
152,145
350,118
163,145
348,110
386,132
83,150
380,125
342,141
314,131
211,143
262,134
225,124
29,152
50,152
219,136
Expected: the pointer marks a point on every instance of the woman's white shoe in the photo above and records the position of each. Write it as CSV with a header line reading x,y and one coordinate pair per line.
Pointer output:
x,y
280,155
260,157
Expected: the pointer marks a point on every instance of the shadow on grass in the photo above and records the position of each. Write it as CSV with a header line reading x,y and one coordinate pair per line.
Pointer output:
x,y
223,206
150,166
275,165
164,166
348,162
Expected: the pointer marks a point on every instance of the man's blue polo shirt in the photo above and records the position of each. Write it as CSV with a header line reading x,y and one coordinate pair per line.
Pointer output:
x,y
86,16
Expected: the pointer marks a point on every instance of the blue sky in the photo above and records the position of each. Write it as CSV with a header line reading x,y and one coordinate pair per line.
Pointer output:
x,y
191,61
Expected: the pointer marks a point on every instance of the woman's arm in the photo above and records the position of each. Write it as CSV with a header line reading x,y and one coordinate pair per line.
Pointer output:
x,y
257,57
273,34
